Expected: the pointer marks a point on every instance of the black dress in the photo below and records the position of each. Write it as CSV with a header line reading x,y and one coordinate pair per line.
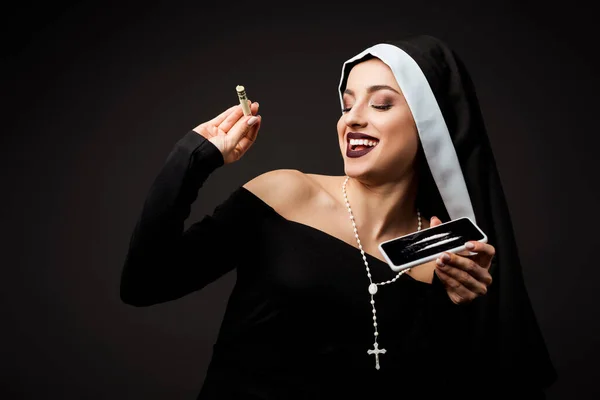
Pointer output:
x,y
299,322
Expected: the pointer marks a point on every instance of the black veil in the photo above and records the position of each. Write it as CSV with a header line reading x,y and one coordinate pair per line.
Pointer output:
x,y
461,179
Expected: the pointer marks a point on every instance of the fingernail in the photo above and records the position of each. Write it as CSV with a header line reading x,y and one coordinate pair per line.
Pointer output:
x,y
252,121
445,257
469,245
439,262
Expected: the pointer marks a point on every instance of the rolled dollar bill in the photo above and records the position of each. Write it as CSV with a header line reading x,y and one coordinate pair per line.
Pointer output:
x,y
241,92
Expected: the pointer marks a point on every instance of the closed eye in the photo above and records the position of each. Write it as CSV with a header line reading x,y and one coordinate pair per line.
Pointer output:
x,y
381,107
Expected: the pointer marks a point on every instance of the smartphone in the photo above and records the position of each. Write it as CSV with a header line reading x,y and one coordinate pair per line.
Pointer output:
x,y
425,245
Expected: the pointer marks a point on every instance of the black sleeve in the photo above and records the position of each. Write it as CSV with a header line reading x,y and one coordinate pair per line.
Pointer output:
x,y
164,262
477,366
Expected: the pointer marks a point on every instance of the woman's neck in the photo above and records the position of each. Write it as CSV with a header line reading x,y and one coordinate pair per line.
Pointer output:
x,y
383,211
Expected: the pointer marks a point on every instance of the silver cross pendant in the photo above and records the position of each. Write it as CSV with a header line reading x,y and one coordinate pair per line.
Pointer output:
x,y
376,351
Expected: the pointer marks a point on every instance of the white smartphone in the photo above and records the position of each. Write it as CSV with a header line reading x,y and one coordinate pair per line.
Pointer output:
x,y
425,245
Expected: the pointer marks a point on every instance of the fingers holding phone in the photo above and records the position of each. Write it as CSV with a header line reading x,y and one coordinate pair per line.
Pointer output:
x,y
465,274
463,278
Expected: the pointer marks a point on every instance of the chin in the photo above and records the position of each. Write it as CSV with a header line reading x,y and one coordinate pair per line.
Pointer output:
x,y
355,169
368,173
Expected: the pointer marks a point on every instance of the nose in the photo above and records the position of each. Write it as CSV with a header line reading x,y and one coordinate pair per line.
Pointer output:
x,y
354,117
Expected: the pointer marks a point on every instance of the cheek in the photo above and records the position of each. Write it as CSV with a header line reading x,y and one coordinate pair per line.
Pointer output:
x,y
401,133
341,129
403,122
340,126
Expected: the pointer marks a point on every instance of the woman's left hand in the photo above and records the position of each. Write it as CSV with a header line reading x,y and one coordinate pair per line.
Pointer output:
x,y
465,276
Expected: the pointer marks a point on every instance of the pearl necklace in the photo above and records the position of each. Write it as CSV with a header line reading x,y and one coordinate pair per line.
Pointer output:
x,y
372,286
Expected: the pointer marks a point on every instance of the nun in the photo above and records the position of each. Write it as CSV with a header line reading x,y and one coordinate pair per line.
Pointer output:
x,y
316,311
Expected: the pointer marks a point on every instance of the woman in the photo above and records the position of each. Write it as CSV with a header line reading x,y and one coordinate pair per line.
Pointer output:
x,y
301,322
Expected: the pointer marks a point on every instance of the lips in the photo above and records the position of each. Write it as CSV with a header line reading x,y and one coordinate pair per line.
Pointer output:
x,y
356,135
358,153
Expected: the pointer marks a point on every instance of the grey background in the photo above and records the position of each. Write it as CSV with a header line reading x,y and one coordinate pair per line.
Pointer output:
x,y
96,94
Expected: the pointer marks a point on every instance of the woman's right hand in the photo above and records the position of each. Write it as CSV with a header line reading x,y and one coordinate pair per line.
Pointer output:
x,y
232,132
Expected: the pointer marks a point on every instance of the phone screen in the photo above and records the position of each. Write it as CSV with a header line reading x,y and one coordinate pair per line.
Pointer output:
x,y
431,241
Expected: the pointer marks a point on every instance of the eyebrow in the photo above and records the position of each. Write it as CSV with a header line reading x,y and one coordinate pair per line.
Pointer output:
x,y
372,89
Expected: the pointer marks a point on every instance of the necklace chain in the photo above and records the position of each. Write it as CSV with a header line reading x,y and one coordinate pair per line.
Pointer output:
x,y
372,285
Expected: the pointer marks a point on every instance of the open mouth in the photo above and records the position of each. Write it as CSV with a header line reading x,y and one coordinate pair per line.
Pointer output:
x,y
360,147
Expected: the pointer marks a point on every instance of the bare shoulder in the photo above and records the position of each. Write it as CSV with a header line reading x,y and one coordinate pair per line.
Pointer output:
x,y
283,189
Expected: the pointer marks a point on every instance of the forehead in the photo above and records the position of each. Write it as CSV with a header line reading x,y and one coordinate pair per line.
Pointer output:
x,y
371,72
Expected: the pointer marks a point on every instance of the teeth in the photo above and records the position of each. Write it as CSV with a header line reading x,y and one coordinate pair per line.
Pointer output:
x,y
363,142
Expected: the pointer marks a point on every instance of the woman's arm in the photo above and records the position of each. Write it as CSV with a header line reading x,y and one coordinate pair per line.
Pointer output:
x,y
164,262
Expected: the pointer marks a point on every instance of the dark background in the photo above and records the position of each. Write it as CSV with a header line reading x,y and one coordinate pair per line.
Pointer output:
x,y
96,94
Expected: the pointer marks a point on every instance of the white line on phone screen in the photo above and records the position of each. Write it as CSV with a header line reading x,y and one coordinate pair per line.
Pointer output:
x,y
438,244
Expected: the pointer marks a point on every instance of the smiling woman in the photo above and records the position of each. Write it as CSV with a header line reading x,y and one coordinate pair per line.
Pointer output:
x,y
378,112
316,311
